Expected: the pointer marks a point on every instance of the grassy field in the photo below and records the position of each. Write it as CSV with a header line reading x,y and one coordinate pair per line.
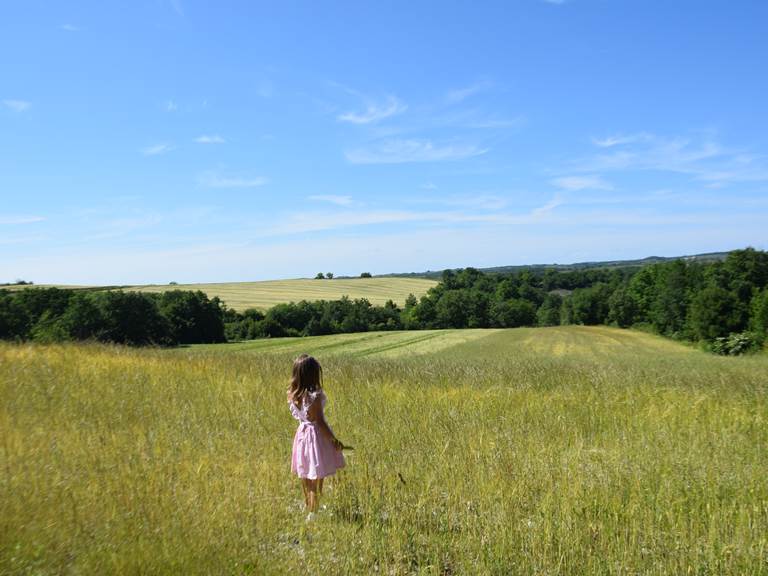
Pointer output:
x,y
242,295
568,450
265,294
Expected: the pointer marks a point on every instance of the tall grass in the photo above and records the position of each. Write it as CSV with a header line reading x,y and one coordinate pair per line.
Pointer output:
x,y
524,451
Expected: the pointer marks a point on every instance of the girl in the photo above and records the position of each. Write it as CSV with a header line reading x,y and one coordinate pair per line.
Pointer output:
x,y
316,451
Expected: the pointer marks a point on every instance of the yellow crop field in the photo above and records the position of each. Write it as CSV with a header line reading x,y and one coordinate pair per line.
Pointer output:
x,y
567,450
265,294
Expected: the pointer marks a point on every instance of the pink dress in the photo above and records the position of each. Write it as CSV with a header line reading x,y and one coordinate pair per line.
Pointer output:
x,y
313,455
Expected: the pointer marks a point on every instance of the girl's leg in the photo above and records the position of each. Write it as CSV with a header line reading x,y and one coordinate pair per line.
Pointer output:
x,y
320,486
305,489
312,497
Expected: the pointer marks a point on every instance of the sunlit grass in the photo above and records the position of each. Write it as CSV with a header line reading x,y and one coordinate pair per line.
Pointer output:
x,y
552,451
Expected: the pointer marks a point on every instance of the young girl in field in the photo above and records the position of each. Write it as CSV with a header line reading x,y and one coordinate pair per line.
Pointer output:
x,y
316,451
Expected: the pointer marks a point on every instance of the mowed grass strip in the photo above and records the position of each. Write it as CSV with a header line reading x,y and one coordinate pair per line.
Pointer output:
x,y
493,456
379,344
263,295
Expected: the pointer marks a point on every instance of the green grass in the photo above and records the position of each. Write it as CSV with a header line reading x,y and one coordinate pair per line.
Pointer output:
x,y
567,450
243,295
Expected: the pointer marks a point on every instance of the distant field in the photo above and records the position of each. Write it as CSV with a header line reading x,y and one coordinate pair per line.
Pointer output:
x,y
265,294
562,451
574,342
242,295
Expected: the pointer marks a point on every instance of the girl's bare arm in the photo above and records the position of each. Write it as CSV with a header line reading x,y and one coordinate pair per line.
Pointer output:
x,y
315,415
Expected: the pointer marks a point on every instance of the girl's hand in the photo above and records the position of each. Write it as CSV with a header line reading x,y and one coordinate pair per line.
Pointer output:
x,y
337,444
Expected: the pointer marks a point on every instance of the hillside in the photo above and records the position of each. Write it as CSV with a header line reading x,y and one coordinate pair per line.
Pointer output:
x,y
265,294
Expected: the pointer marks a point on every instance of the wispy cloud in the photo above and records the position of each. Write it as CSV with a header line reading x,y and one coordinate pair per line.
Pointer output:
x,y
210,139
17,105
214,180
461,94
157,149
699,156
428,186
333,199
20,219
555,2
374,112
406,151
70,28
170,106
573,183
548,207
618,140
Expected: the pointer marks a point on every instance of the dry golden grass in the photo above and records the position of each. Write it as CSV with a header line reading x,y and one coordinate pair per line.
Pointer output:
x,y
242,295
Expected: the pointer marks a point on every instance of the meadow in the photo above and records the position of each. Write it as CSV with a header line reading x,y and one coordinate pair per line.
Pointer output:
x,y
267,293
567,450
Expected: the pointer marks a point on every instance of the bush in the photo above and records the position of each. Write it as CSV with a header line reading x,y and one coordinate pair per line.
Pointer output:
x,y
736,344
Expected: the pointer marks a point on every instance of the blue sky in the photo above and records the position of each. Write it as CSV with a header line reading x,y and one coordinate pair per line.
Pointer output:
x,y
180,140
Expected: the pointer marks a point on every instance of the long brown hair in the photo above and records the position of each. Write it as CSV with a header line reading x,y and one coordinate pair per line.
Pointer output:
x,y
307,377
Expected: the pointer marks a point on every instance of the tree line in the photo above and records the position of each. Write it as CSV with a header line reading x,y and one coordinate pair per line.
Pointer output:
x,y
134,318
723,304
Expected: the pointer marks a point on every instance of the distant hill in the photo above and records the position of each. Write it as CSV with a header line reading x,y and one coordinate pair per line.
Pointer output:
x,y
706,257
267,293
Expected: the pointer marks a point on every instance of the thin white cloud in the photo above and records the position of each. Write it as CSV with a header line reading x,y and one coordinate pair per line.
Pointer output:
x,y
210,139
214,180
428,186
374,112
17,105
20,219
461,94
406,151
547,208
698,156
70,28
157,149
573,183
619,140
170,106
333,199
555,2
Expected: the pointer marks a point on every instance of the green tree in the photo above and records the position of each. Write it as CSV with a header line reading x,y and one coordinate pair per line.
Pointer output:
x,y
131,318
82,319
548,313
622,307
590,305
513,313
452,310
714,313
670,307
192,317
759,316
